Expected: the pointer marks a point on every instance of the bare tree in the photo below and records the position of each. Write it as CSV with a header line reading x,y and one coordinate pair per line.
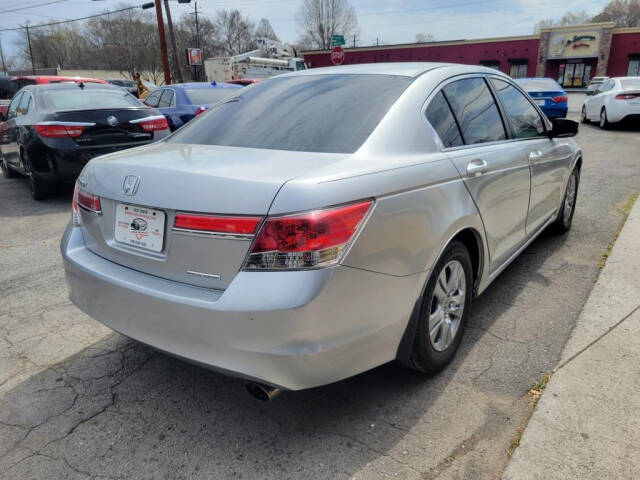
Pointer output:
x,y
424,37
265,30
320,19
569,18
235,32
625,13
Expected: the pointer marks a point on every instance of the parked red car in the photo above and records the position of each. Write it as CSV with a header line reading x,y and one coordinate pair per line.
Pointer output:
x,y
16,83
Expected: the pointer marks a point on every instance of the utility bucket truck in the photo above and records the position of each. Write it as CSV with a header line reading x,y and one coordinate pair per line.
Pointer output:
x,y
269,59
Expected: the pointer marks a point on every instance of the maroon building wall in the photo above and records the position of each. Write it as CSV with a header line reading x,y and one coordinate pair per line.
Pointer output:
x,y
467,53
622,45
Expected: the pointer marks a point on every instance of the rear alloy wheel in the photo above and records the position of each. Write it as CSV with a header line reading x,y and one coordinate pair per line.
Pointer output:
x,y
568,208
6,170
583,115
604,122
40,188
444,311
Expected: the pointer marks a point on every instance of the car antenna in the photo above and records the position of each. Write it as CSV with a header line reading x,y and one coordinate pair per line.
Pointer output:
x,y
81,84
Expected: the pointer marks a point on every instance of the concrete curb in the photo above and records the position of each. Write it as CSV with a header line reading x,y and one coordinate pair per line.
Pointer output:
x,y
586,424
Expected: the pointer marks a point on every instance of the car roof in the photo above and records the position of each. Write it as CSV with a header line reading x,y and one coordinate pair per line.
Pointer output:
x,y
406,69
68,85
204,85
59,78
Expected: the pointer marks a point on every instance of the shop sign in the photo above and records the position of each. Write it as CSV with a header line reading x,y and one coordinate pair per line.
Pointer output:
x,y
572,44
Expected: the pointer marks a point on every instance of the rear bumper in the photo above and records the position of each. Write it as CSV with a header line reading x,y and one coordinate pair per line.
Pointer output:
x,y
555,112
622,110
293,330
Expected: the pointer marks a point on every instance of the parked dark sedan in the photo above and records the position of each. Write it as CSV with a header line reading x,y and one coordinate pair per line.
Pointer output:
x,y
182,102
52,131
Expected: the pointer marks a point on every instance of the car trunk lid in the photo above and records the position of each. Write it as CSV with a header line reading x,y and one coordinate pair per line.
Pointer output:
x,y
110,126
171,179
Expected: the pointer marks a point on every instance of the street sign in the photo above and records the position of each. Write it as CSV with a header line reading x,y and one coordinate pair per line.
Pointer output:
x,y
337,55
194,55
337,40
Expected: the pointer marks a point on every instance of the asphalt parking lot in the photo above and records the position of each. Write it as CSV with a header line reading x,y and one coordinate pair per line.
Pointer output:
x,y
78,401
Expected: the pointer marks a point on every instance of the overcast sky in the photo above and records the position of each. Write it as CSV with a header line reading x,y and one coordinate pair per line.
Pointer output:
x,y
390,21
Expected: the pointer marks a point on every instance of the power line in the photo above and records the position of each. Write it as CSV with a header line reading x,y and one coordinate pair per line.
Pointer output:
x,y
32,6
72,19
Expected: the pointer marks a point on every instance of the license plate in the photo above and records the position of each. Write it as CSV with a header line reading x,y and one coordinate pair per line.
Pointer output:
x,y
140,227
540,102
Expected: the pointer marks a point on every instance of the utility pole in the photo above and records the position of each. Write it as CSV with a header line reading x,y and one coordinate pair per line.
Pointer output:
x,y
4,67
163,44
197,39
354,41
195,67
33,67
173,42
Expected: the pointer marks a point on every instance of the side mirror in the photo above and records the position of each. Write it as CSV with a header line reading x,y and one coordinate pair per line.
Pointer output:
x,y
563,128
590,92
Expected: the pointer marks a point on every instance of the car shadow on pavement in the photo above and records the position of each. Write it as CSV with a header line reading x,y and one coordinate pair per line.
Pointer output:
x,y
120,409
18,201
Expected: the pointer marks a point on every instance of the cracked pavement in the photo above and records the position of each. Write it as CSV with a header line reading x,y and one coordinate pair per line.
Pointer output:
x,y
78,401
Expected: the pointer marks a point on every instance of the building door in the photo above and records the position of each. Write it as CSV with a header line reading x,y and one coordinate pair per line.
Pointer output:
x,y
574,74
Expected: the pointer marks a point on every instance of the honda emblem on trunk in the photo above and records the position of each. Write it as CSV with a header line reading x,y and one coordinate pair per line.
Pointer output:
x,y
130,185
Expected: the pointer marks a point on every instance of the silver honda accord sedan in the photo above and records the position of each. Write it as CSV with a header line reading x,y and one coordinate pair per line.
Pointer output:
x,y
321,223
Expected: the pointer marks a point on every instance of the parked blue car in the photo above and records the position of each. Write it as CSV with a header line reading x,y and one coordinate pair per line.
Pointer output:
x,y
182,102
549,96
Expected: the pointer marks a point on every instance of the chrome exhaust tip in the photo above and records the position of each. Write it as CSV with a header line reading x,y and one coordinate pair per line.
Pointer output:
x,y
264,393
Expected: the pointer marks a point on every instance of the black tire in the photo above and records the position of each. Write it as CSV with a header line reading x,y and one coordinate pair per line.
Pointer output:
x,y
40,189
604,122
583,116
425,357
562,224
7,172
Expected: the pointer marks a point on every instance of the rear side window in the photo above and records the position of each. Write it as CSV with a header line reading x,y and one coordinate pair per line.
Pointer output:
x,y
332,113
25,104
153,98
475,110
523,117
12,111
166,98
88,99
440,116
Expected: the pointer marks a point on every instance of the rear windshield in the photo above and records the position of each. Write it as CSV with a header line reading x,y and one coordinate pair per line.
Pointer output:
x,y
309,113
88,99
630,83
544,84
209,95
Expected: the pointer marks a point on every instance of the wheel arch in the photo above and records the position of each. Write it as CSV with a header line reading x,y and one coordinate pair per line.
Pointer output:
x,y
472,240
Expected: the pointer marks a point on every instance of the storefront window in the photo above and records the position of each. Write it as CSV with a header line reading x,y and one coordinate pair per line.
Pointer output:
x,y
495,64
518,70
634,66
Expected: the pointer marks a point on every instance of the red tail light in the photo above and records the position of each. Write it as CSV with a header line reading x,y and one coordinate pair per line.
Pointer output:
x,y
627,96
217,224
308,240
201,110
561,99
75,213
157,123
88,201
59,130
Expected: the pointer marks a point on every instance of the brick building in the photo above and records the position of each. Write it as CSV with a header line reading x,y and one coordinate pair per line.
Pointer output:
x,y
571,55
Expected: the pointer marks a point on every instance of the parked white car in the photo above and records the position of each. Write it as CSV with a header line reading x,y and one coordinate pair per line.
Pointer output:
x,y
615,100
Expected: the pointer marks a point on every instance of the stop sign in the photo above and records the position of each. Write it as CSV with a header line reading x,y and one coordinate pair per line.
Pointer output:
x,y
337,55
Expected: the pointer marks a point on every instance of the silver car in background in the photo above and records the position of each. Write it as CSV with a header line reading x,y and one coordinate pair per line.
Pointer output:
x,y
321,223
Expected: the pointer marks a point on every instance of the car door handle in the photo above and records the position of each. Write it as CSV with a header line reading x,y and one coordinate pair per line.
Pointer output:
x,y
476,167
535,155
